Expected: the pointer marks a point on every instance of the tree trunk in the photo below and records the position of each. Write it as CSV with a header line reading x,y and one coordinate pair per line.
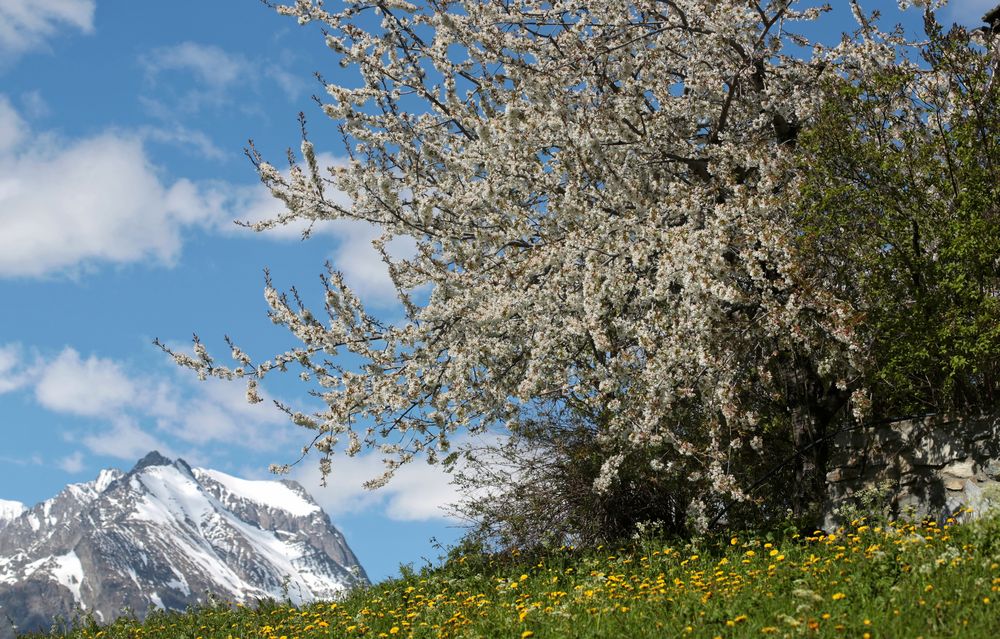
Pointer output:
x,y
810,437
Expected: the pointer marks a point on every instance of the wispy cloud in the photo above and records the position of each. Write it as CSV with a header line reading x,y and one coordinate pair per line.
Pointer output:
x,y
211,65
12,126
192,141
72,463
28,24
211,75
34,105
291,84
14,373
206,76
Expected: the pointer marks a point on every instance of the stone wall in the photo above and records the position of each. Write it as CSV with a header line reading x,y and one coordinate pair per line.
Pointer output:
x,y
929,467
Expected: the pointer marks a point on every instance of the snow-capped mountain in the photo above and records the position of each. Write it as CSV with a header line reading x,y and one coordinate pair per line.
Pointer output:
x,y
165,534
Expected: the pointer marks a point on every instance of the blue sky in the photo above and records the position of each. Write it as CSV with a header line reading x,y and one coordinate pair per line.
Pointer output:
x,y
122,127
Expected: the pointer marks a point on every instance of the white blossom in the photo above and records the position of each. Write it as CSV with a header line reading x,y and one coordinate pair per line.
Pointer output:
x,y
600,193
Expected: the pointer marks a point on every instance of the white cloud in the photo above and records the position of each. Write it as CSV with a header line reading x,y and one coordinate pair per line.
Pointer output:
x,y
67,205
91,387
210,64
362,265
72,463
418,491
145,410
27,24
140,412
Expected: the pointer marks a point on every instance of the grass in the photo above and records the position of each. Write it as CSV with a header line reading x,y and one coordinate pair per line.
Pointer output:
x,y
890,580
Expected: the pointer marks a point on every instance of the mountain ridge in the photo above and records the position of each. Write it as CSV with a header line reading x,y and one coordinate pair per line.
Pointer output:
x,y
164,535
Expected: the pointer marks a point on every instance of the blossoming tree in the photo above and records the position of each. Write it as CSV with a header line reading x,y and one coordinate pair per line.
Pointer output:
x,y
601,197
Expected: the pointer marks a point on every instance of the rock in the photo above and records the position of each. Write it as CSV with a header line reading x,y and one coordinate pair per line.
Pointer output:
x,y
937,448
954,483
963,469
992,469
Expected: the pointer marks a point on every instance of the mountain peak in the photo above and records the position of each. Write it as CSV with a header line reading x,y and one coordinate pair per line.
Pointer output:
x,y
161,536
152,458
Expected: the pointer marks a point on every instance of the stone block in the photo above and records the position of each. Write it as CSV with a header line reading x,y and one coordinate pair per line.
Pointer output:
x,y
938,465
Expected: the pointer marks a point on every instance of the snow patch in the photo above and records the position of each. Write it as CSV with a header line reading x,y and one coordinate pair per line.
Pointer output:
x,y
10,510
272,494
68,571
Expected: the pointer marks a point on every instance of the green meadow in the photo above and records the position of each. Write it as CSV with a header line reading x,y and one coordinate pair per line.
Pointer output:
x,y
888,579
